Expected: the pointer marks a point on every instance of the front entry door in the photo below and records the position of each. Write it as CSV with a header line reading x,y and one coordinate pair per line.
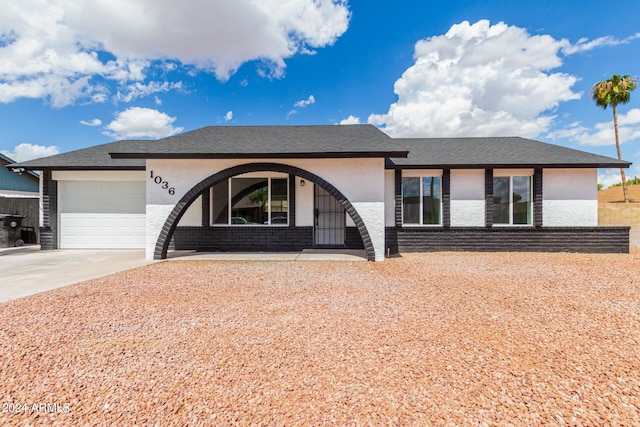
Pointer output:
x,y
329,219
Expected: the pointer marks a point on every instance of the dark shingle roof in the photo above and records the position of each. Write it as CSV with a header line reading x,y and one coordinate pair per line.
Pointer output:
x,y
326,141
268,142
495,152
92,158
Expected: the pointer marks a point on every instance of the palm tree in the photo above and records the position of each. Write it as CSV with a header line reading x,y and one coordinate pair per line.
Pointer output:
x,y
616,90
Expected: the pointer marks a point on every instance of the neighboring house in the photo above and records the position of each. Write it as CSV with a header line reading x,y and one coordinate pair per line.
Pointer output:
x,y
23,184
20,195
270,188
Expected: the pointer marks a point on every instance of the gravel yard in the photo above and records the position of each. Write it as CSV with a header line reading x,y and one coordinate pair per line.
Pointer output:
x,y
423,339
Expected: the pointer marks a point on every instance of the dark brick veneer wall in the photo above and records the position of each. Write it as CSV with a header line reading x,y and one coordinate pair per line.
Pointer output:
x,y
353,239
509,239
49,230
250,238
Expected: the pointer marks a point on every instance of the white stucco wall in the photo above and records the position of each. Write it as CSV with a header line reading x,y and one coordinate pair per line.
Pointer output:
x,y
304,204
467,198
570,197
360,180
156,217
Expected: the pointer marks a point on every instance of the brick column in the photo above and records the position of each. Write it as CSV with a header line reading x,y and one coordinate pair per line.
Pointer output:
x,y
292,201
206,208
488,198
398,197
446,198
49,229
537,198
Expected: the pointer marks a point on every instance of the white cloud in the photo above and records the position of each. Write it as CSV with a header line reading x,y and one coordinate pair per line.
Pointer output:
x,y
602,133
479,80
291,113
228,116
137,122
304,102
138,90
50,48
60,91
94,122
608,177
351,120
301,104
24,152
585,44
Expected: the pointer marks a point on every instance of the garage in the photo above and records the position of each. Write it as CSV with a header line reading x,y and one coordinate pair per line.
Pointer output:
x,y
102,214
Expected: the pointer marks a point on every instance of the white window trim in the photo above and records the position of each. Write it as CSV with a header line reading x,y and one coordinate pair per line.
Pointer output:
x,y
516,173
512,172
420,175
268,177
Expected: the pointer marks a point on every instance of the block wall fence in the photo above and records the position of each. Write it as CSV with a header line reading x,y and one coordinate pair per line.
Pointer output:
x,y
614,214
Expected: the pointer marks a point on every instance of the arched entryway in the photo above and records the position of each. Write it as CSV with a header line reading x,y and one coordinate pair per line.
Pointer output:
x,y
162,244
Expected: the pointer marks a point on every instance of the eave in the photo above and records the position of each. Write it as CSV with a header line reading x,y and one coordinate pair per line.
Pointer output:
x,y
86,168
393,166
322,155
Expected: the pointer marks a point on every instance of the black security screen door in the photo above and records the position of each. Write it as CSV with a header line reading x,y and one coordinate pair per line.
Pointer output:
x,y
329,219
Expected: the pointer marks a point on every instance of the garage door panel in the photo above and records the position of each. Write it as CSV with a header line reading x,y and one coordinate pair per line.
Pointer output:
x,y
102,215
103,197
102,231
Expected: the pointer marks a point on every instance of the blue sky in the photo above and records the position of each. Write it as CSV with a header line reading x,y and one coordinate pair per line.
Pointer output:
x,y
77,74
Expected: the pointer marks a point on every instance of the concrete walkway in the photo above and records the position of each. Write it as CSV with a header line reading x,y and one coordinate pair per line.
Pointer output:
x,y
27,270
305,255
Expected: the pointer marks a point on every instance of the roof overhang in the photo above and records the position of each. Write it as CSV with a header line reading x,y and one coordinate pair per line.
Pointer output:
x,y
313,155
20,170
394,166
84,168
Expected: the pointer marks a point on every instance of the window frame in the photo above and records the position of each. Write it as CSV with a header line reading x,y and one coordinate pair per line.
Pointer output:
x,y
511,175
420,175
256,175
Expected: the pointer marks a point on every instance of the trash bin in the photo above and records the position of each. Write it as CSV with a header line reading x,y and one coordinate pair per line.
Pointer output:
x,y
10,226
28,235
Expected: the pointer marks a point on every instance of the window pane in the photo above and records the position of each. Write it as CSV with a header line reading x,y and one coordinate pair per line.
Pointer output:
x,y
220,202
279,201
249,200
522,200
501,200
431,200
411,200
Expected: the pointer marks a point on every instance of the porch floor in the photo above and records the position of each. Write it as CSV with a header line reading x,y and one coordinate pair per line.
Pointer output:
x,y
305,255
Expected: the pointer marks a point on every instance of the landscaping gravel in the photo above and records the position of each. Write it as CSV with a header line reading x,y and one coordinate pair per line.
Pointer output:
x,y
424,339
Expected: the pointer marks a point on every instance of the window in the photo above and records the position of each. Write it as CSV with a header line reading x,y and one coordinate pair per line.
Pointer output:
x,y
250,201
421,200
512,200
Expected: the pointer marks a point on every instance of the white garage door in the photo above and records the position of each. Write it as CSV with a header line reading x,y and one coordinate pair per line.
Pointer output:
x,y
102,215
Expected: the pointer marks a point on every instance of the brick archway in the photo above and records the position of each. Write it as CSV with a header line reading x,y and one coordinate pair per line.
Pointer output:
x,y
162,244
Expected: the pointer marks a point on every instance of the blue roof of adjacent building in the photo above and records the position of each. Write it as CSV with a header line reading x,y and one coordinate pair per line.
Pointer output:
x,y
12,181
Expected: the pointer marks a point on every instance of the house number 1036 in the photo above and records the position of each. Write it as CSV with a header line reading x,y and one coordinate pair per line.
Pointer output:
x,y
164,184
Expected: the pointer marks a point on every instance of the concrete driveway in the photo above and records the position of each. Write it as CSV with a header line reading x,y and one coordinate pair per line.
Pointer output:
x,y
28,270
